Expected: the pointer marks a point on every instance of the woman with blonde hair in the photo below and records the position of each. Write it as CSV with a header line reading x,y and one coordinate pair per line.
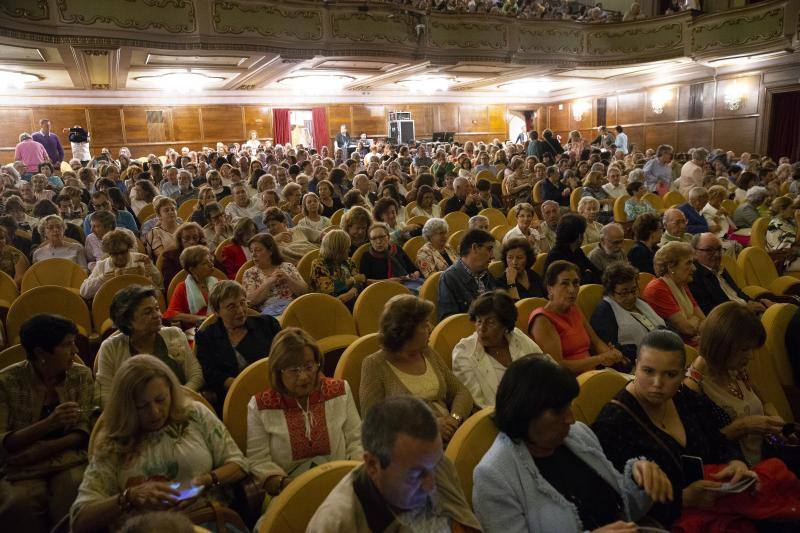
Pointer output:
x,y
669,295
302,419
333,272
154,445
594,189
588,208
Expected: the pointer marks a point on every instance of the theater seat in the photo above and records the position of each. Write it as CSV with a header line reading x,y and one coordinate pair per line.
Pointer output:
x,y
758,233
55,271
412,246
304,265
240,274
370,303
598,387
12,355
673,198
292,509
495,216
456,221
469,444
643,279
589,297
48,299
249,382
776,321
448,333
101,303
620,217
349,366
524,309
430,291
360,251
758,269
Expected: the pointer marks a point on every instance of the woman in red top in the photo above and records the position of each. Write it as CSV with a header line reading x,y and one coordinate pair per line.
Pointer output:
x,y
237,253
669,293
560,328
189,301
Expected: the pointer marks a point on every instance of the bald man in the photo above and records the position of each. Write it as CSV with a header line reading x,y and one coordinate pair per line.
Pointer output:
x,y
612,236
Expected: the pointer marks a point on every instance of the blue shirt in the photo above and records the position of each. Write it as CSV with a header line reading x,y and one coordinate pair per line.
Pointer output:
x,y
622,142
655,171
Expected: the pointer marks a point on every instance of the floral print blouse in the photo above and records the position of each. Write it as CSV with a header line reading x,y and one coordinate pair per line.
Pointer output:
x,y
254,278
332,279
178,452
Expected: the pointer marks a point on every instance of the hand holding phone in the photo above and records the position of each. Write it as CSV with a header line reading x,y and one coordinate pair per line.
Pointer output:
x,y
186,492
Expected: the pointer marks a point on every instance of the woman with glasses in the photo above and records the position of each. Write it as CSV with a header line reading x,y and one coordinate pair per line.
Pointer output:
x,y
55,245
621,318
302,419
384,259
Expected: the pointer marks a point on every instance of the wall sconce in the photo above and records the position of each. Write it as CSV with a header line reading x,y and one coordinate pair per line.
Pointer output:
x,y
579,108
734,96
659,99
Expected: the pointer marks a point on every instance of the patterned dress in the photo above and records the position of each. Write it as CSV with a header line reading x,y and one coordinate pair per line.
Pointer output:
x,y
254,278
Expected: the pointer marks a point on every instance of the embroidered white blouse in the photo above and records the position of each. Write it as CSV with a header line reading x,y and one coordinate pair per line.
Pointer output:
x,y
282,439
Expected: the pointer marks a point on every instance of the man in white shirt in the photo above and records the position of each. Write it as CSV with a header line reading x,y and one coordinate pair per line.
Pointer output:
x,y
692,172
621,140
614,188
242,205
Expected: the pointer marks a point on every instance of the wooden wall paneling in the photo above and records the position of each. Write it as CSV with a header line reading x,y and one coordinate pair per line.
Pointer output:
x,y
337,115
694,135
369,119
258,118
473,118
60,118
587,119
222,123
660,134
498,118
737,134
186,124
445,117
630,108
559,117
684,99
611,112
542,119
748,87
15,121
669,109
105,123
135,120
635,137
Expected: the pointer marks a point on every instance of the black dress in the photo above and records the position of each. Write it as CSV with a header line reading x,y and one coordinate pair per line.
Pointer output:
x,y
589,272
383,266
623,438
641,257
536,289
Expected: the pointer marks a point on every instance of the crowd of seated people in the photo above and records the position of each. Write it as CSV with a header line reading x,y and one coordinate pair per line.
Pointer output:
x,y
273,229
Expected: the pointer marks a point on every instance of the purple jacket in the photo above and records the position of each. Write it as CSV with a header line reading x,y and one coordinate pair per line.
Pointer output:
x,y
52,145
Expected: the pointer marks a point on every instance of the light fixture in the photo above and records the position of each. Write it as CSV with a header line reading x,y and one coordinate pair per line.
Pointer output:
x,y
579,108
315,84
11,79
426,84
660,98
734,96
184,81
743,60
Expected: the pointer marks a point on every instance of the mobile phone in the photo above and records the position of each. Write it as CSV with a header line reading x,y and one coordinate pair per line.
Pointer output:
x,y
187,493
692,468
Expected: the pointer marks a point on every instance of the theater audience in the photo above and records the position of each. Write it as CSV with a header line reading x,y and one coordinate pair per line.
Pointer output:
x,y
162,236
405,483
302,419
384,259
622,319
518,277
294,242
120,259
153,436
669,295
546,472
136,314
728,338
560,328
654,417
569,238
609,249
435,255
426,203
526,228
674,227
782,232
647,231
407,365
333,272
102,223
236,253
356,222
45,405
588,208
54,244
636,205
189,301
468,277
271,283
218,228
480,360
312,217
695,221
747,212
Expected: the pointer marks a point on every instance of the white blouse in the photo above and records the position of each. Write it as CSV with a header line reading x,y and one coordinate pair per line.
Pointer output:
x,y
285,439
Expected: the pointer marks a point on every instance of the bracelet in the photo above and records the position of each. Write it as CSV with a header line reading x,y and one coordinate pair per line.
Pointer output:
x,y
512,285
214,479
124,502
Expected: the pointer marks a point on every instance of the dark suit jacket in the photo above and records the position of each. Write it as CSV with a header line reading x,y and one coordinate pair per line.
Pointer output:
x,y
641,257
217,356
708,292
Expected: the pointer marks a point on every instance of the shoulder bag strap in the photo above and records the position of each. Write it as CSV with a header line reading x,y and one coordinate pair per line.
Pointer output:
x,y
649,431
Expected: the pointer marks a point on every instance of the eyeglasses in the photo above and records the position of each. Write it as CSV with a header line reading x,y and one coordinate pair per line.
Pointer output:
x,y
295,371
629,292
715,250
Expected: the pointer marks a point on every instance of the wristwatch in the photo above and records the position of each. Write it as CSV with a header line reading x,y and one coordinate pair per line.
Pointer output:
x,y
457,418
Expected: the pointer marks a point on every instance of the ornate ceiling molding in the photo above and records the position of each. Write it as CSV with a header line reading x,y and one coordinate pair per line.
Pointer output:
x,y
172,16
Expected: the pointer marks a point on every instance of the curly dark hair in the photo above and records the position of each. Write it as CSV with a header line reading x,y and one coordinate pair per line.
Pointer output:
x,y
497,302
519,243
645,224
616,274
400,318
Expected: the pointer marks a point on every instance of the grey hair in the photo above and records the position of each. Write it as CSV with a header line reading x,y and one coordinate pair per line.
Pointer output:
x,y
604,231
394,415
586,200
48,218
24,136
696,192
124,305
637,174
549,202
222,291
473,221
459,180
433,226
700,154
756,194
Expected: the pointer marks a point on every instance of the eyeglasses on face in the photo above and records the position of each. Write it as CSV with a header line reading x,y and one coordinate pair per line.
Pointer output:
x,y
296,371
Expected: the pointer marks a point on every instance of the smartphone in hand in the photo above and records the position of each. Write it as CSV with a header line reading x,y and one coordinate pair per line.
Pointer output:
x,y
692,468
187,493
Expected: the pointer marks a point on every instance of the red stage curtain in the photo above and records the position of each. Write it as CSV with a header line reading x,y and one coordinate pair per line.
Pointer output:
x,y
784,130
319,117
281,129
